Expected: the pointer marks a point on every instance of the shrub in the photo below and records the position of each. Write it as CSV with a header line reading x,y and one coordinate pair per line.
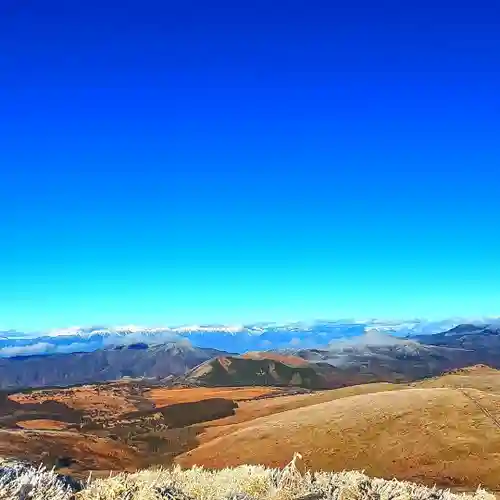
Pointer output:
x,y
23,482
247,482
253,482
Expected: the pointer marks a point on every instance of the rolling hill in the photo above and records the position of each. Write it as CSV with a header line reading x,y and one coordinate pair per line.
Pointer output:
x,y
259,371
443,431
113,426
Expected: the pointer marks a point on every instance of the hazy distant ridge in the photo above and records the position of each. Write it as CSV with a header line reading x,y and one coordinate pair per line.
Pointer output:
x,y
239,338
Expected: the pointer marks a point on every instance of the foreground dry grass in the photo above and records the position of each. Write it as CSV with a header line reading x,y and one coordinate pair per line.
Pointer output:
x,y
242,483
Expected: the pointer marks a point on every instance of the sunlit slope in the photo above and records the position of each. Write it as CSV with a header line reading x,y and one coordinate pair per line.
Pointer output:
x,y
433,435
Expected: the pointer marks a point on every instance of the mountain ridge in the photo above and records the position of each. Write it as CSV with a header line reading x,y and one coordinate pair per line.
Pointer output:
x,y
230,338
103,365
371,357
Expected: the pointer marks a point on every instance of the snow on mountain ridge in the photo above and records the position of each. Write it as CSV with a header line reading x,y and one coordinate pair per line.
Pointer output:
x,y
131,329
382,325
230,338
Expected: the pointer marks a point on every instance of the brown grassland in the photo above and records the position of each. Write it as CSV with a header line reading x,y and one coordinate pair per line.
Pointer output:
x,y
444,430
165,396
43,424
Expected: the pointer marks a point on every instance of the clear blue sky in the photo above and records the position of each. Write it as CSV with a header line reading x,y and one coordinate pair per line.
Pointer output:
x,y
226,161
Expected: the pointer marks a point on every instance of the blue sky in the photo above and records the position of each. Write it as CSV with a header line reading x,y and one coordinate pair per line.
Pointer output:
x,y
173,162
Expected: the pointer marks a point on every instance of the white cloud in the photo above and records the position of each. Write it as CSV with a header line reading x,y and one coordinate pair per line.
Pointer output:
x,y
334,335
38,348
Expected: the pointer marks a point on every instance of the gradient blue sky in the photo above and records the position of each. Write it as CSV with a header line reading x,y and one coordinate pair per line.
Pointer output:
x,y
209,161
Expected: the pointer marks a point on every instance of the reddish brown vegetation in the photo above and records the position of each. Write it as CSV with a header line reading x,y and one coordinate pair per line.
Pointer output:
x,y
43,424
287,360
165,396
114,398
444,430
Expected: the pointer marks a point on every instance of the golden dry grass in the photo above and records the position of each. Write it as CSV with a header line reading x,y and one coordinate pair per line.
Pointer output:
x,y
435,435
478,377
169,396
248,411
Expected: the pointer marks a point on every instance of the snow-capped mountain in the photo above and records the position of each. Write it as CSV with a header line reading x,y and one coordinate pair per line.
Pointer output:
x,y
230,338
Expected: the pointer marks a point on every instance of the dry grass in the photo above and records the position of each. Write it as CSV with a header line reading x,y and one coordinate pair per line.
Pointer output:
x,y
478,377
43,424
444,430
260,483
243,483
21,482
427,435
248,411
169,396
287,360
88,451
108,399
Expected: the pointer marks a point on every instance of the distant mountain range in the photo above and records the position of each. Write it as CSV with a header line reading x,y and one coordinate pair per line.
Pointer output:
x,y
369,357
135,361
238,339
373,357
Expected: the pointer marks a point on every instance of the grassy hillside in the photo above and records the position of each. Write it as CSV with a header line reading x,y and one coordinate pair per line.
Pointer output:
x,y
444,430
478,377
443,435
